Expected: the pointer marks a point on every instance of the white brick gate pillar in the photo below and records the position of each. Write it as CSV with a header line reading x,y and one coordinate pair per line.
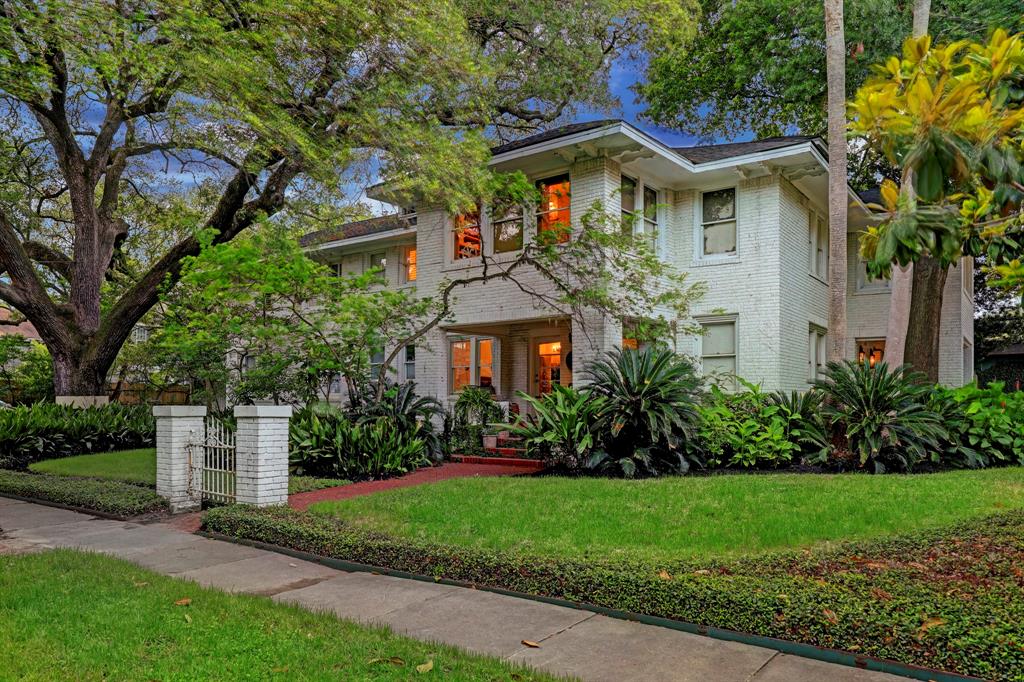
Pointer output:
x,y
261,454
179,455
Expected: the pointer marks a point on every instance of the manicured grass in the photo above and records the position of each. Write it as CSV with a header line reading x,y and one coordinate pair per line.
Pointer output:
x,y
139,467
133,466
680,517
73,616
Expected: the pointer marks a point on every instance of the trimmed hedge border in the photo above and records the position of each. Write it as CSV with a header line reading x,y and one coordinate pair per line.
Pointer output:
x,y
107,497
948,599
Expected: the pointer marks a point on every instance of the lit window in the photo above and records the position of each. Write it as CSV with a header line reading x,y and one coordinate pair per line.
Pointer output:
x,y
815,353
549,366
718,351
630,344
508,230
718,221
553,211
817,239
410,362
472,362
409,264
467,235
871,351
485,363
866,283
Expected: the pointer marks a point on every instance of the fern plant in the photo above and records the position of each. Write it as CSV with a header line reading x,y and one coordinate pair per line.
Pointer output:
x,y
881,414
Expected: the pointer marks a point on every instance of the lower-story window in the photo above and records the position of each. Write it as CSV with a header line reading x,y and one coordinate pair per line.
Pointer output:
x,y
376,363
472,362
871,351
409,366
815,353
718,351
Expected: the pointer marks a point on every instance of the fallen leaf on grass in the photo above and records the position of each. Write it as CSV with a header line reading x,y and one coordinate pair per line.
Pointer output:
x,y
531,644
183,602
830,615
928,624
879,593
425,667
140,584
188,618
394,660
664,575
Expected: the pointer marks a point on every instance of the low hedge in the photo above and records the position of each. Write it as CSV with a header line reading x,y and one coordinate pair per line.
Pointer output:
x,y
108,497
946,599
29,433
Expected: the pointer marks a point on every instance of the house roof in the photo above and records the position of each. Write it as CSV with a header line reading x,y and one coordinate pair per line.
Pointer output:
x,y
360,228
552,134
1012,349
24,329
716,152
871,196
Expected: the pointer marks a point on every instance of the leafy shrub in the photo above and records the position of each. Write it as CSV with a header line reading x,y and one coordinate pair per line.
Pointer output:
x,y
324,442
985,425
869,596
649,410
561,428
109,497
411,414
880,416
29,433
475,411
754,429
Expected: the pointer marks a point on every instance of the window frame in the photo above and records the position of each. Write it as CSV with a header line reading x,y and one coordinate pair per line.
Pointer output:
x,y
860,340
540,211
817,233
407,262
374,262
492,227
861,284
699,256
376,366
474,361
817,352
714,320
640,218
406,362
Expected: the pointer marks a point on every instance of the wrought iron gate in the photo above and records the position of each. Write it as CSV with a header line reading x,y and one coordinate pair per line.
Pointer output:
x,y
218,461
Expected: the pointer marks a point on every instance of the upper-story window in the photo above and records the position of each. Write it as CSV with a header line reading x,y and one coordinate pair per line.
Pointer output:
x,y
508,230
553,211
817,245
466,235
868,284
718,222
409,263
639,206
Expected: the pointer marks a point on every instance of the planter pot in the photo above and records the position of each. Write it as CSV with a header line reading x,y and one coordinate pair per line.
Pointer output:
x,y
490,442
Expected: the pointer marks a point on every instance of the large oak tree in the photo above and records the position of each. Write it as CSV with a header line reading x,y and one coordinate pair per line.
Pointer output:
x,y
119,118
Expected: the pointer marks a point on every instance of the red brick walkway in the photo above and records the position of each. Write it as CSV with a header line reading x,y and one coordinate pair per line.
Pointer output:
x,y
419,477
190,522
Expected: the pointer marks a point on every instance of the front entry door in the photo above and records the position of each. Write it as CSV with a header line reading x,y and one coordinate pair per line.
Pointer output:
x,y
549,363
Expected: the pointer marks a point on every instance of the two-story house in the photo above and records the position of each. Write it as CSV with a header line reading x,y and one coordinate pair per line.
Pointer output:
x,y
749,219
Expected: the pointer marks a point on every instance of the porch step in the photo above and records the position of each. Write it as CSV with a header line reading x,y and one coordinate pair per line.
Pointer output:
x,y
506,452
522,462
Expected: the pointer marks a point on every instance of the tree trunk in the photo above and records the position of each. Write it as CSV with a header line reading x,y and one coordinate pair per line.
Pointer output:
x,y
901,285
835,55
926,303
74,374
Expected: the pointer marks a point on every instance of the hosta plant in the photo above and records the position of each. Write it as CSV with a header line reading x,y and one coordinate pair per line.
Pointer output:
x,y
560,427
880,415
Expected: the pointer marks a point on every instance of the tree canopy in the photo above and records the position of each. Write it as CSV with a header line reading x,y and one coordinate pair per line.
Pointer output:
x,y
129,128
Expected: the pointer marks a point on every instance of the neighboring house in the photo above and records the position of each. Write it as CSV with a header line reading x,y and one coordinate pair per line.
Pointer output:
x,y
749,219
23,329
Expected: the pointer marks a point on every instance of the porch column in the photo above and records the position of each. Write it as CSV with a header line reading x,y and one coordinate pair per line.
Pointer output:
x,y
179,456
591,338
261,454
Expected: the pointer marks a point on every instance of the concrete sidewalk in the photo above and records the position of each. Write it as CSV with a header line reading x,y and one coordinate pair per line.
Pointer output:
x,y
572,642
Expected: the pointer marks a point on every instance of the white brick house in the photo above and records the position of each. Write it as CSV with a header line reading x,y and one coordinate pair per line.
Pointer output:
x,y
749,219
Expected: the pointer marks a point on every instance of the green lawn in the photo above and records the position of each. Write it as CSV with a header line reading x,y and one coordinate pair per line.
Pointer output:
x,y
139,466
68,615
680,517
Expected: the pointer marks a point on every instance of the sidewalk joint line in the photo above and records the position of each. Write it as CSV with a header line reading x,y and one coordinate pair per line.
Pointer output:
x,y
764,665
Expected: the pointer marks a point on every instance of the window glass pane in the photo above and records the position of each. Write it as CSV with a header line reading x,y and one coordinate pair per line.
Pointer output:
x,y
651,203
720,366
460,354
379,260
871,351
720,205
467,235
410,362
508,230
485,362
410,265
553,211
627,194
719,339
822,261
720,238
460,378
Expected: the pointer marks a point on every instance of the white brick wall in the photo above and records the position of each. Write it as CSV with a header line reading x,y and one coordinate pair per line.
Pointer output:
x,y
261,454
179,455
